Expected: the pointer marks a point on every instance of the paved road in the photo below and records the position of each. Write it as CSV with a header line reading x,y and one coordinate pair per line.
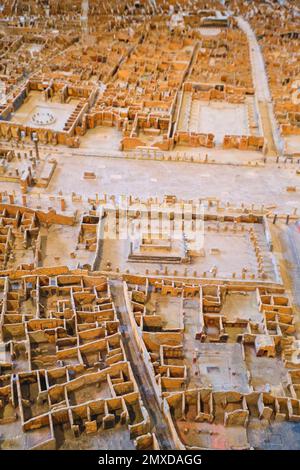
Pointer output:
x,y
258,66
262,90
84,16
140,372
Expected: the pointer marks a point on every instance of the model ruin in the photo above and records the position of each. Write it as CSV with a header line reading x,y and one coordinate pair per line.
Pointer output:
x,y
149,224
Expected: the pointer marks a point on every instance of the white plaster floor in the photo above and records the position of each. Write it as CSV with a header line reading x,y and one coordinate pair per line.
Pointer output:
x,y
219,118
292,144
36,103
